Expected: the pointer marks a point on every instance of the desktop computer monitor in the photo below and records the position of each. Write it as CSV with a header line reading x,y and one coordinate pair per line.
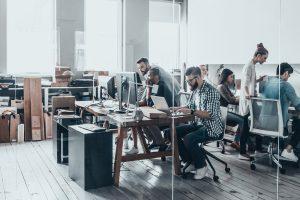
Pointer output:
x,y
127,88
107,83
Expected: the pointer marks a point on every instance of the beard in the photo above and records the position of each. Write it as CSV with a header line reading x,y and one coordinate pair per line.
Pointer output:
x,y
194,87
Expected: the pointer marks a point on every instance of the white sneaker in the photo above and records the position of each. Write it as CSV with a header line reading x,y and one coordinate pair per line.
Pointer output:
x,y
201,173
291,156
190,168
133,150
126,143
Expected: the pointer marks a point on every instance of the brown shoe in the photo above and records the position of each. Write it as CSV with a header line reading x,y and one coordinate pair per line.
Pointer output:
x,y
235,145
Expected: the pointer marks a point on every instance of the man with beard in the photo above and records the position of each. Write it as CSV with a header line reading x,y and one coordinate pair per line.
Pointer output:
x,y
144,68
205,105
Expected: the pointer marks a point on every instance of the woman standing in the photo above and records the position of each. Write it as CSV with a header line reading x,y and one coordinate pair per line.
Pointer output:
x,y
248,89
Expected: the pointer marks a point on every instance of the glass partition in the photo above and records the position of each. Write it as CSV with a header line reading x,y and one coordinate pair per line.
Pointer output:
x,y
289,96
232,51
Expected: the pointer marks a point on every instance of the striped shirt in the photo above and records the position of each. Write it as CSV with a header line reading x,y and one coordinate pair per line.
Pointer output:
x,y
207,98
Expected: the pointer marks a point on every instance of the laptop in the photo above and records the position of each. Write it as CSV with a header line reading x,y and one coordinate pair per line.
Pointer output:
x,y
92,127
161,104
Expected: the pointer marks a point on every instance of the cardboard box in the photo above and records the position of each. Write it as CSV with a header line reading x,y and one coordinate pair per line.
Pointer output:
x,y
19,104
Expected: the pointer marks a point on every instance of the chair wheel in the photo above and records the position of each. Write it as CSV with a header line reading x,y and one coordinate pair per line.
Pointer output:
x,y
223,151
282,171
216,178
252,167
227,169
184,175
163,158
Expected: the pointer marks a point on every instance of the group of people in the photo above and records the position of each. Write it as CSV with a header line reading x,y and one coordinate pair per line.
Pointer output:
x,y
205,104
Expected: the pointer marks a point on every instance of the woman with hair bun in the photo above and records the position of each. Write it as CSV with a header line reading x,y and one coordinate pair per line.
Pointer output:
x,y
248,89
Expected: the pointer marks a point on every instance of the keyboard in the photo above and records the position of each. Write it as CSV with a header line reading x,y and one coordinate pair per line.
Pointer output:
x,y
92,127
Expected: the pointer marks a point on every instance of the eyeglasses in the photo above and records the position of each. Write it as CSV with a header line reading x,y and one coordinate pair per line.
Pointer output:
x,y
190,80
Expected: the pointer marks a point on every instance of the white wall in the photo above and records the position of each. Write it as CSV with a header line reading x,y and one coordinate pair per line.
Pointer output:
x,y
290,31
227,31
3,28
136,32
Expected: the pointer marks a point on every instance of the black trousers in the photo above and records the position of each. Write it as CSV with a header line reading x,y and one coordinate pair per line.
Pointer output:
x,y
245,135
295,138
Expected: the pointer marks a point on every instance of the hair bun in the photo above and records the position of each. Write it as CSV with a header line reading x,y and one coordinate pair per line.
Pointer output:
x,y
260,45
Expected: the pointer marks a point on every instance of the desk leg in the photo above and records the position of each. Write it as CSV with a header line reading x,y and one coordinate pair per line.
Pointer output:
x,y
118,155
175,150
142,139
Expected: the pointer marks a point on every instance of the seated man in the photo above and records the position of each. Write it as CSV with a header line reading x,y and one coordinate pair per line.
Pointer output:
x,y
144,68
287,96
205,105
156,87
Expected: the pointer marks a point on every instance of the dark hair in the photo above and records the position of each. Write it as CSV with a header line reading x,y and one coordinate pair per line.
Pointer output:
x,y
155,71
224,75
196,71
261,50
284,67
144,60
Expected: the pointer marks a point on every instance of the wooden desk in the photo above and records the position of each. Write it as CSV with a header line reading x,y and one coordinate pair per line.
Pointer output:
x,y
124,122
93,109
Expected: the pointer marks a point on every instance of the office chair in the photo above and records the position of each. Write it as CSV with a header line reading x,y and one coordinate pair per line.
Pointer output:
x,y
63,102
266,120
207,153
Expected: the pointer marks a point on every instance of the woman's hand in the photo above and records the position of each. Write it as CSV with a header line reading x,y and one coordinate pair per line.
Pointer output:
x,y
261,78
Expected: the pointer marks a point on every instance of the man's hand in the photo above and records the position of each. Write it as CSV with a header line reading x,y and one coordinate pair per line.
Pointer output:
x,y
186,111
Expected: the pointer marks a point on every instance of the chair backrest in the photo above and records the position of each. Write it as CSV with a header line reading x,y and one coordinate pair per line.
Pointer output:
x,y
224,112
266,117
63,102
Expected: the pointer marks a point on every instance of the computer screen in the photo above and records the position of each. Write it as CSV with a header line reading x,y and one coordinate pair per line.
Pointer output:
x,y
127,87
108,83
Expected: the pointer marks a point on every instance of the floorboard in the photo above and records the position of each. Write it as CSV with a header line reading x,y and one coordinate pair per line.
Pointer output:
x,y
29,171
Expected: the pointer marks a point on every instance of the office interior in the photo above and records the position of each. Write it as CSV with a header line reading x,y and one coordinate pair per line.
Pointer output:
x,y
79,111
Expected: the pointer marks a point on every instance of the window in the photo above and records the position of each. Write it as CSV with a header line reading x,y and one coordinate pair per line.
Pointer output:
x,y
31,36
103,35
164,34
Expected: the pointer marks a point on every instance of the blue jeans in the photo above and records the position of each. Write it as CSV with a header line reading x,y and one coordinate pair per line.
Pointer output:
x,y
234,119
188,138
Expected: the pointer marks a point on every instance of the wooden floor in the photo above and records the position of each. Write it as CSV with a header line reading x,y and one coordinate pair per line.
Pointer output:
x,y
28,171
